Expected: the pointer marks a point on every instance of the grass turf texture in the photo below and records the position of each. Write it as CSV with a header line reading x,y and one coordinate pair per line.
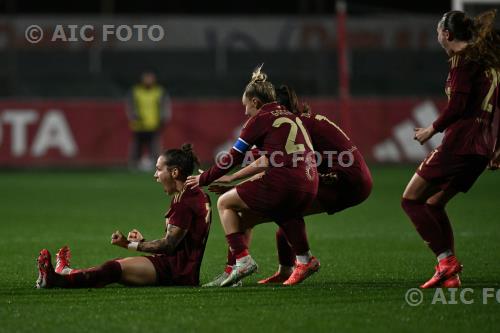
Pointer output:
x,y
370,257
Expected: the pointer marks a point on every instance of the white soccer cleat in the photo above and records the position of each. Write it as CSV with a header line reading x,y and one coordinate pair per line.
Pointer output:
x,y
242,269
219,279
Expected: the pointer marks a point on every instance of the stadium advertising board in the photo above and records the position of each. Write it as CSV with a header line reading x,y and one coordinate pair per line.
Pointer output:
x,y
96,133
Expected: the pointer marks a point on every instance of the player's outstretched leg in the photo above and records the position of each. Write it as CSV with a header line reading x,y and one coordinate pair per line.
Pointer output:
x,y
107,273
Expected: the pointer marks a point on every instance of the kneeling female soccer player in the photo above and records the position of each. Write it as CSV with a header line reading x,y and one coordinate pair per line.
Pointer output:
x,y
176,258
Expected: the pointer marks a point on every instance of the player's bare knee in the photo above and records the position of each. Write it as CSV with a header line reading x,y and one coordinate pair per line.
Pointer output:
x,y
222,203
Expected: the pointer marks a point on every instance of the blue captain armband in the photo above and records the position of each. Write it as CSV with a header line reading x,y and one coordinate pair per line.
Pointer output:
x,y
241,145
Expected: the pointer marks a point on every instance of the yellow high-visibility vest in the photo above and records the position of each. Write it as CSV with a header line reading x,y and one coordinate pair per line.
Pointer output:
x,y
147,104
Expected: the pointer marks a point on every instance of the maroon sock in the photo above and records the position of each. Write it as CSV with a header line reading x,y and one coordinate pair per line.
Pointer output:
x,y
286,255
238,244
231,259
295,232
440,216
426,226
109,272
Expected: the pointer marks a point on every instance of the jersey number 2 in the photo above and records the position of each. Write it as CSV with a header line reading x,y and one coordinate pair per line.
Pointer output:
x,y
291,147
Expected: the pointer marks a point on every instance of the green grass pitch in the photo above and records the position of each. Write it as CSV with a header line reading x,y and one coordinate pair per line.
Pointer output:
x,y
370,256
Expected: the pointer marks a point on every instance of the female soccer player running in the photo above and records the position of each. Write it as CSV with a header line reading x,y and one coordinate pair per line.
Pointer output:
x,y
471,140
283,193
344,178
176,258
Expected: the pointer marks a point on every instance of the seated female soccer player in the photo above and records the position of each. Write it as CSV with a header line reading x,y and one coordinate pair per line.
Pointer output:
x,y
344,179
176,258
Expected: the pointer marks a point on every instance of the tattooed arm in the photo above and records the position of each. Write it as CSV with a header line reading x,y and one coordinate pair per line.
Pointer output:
x,y
166,245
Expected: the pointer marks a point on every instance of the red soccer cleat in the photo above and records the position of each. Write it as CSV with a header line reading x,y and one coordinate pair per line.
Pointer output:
x,y
446,268
277,277
452,282
45,270
302,272
63,257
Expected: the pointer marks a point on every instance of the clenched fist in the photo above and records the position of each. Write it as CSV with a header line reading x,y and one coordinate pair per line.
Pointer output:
x,y
135,236
118,239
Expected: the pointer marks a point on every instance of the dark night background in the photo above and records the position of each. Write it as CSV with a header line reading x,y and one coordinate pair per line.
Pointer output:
x,y
223,7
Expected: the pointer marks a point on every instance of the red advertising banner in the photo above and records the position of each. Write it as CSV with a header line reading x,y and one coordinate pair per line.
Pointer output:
x,y
96,133
63,133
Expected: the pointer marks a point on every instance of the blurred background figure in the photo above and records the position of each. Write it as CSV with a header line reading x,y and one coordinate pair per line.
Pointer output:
x,y
147,112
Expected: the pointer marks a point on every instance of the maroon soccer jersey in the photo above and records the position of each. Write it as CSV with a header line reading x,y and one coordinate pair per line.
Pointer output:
x,y
189,210
470,120
336,148
281,136
346,180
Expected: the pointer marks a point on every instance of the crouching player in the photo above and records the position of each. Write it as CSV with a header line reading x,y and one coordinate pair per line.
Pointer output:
x,y
343,183
176,258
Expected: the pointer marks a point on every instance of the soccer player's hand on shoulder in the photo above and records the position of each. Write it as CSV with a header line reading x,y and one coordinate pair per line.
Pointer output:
x,y
193,181
118,239
135,236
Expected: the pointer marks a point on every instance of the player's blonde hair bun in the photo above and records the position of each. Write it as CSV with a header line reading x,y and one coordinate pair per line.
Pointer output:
x,y
259,87
258,75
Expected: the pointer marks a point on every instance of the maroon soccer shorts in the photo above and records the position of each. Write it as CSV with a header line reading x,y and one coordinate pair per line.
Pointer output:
x,y
452,171
346,191
275,202
162,268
